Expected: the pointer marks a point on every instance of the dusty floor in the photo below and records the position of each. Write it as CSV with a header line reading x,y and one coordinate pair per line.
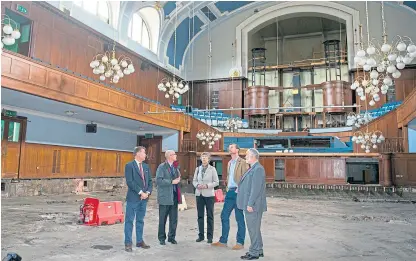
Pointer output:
x,y
44,228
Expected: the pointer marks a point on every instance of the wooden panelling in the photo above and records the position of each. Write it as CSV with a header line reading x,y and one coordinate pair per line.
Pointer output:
x,y
230,94
403,169
22,74
406,112
49,161
63,41
405,84
387,124
195,127
315,170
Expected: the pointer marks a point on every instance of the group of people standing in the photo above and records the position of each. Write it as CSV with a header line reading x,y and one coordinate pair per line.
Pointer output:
x,y
246,195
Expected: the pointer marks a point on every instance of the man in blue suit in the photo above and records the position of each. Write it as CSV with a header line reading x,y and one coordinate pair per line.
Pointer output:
x,y
139,183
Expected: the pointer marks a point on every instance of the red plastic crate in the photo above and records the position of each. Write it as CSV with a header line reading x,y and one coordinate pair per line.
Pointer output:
x,y
110,213
99,213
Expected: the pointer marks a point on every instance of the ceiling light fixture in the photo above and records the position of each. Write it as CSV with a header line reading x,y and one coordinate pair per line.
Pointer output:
x,y
111,67
9,35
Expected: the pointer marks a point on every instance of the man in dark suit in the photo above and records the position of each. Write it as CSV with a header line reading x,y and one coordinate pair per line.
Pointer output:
x,y
251,198
139,183
168,197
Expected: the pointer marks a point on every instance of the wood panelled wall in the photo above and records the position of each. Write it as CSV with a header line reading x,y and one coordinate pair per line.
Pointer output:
x,y
230,94
406,112
316,170
49,161
63,41
25,75
387,124
403,169
405,84
196,126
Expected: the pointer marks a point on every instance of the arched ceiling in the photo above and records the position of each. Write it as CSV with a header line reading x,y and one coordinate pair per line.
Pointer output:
x,y
192,18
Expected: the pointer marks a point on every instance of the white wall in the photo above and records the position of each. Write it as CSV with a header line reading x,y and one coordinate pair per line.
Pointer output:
x,y
400,20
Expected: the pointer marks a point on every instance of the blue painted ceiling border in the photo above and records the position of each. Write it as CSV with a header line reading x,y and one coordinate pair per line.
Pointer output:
x,y
169,7
182,39
229,6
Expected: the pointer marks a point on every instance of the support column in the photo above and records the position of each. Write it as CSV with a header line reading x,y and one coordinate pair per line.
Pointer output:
x,y
385,175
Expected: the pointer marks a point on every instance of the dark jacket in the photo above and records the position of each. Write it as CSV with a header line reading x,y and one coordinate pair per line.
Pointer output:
x,y
134,180
164,184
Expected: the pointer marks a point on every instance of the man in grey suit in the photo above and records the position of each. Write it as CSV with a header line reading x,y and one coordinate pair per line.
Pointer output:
x,y
168,197
251,198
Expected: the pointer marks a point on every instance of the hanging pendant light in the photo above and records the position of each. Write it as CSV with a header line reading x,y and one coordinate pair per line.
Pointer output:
x,y
173,87
368,139
233,124
8,34
111,67
208,137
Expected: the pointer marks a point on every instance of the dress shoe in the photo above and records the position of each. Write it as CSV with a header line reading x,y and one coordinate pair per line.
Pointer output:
x,y
199,240
162,242
260,255
173,241
209,241
128,248
142,245
249,257
219,244
238,247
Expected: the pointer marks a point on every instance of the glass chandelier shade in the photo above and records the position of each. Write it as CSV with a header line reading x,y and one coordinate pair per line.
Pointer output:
x,y
173,87
111,67
8,34
208,137
357,120
368,139
233,124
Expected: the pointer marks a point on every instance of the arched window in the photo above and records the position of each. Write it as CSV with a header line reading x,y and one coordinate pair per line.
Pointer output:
x,y
144,27
139,31
98,8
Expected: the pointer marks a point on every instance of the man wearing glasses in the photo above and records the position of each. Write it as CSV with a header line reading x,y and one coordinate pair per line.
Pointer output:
x,y
168,196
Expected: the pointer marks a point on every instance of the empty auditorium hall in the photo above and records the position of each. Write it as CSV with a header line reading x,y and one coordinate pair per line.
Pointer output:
x,y
275,130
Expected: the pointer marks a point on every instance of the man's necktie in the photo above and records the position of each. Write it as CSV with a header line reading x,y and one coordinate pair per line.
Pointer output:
x,y
142,174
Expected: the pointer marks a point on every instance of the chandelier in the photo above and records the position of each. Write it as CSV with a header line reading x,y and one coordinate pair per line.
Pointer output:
x,y
368,139
233,124
173,87
9,35
357,119
371,86
110,67
208,137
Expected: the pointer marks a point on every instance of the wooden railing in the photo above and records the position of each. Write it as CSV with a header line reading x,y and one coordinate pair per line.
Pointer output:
x,y
392,145
23,74
407,110
188,145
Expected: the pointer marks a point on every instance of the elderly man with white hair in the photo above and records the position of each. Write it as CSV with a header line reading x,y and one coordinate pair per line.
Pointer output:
x,y
168,197
251,198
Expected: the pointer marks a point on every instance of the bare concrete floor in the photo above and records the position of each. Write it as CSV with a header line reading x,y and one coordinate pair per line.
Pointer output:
x,y
44,228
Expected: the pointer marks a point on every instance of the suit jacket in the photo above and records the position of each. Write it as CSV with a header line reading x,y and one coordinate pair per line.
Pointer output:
x,y
241,167
164,184
210,178
252,189
135,182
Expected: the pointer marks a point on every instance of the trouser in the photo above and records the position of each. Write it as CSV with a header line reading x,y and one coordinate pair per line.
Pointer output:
x,y
201,204
134,210
172,212
230,204
253,221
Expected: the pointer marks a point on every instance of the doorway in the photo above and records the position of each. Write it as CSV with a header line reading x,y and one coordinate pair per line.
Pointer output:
x,y
153,150
12,137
